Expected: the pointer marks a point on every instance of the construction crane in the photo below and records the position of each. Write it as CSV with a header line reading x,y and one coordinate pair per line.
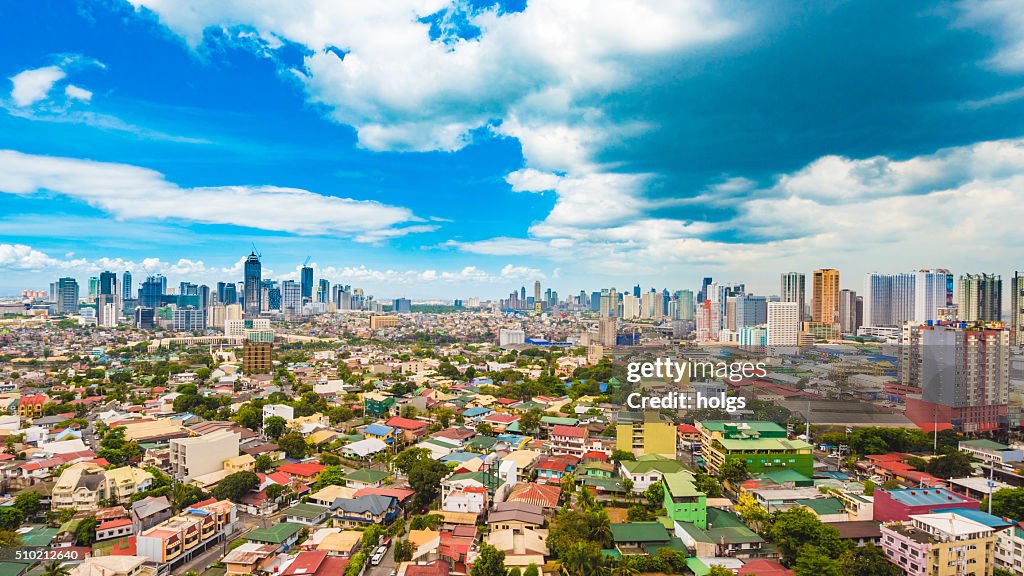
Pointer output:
x,y
256,252
306,263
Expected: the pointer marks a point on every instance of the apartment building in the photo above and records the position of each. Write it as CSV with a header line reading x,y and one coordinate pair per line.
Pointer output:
x,y
941,544
193,530
763,446
85,485
645,433
196,456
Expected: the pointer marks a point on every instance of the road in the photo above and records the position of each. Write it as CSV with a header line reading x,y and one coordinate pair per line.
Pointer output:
x,y
386,565
214,553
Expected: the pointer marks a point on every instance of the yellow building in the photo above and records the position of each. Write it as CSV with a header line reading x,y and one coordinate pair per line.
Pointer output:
x,y
243,463
643,434
940,544
825,297
84,485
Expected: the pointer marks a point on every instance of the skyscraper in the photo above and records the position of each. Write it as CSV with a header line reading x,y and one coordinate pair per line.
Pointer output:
x,y
291,297
825,296
94,288
323,292
536,295
980,297
253,291
685,308
126,286
750,310
151,292
848,312
783,324
67,296
1017,309
930,294
108,300
703,294
794,290
307,284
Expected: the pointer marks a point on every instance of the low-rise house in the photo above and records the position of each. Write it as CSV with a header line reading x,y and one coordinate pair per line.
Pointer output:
x,y
371,509
282,535
306,514
316,563
114,529
521,548
250,558
648,469
859,532
149,512
365,478
515,516
343,543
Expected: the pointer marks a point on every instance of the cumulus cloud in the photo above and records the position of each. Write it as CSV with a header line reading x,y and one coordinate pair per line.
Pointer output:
x,y
31,86
1005,19
130,192
77,93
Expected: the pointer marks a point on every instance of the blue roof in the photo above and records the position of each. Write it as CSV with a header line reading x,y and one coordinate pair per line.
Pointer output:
x,y
477,411
980,517
459,457
926,496
379,430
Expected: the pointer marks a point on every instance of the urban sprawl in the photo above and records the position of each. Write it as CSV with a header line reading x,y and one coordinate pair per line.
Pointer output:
x,y
305,428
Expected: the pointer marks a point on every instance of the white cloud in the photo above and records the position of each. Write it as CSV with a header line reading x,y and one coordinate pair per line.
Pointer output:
x,y
1005,20
31,86
131,192
77,93
22,257
531,180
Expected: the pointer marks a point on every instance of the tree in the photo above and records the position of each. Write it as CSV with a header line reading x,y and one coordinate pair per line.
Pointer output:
x,y
813,561
733,472
531,570
719,570
184,495
329,476
627,485
293,444
890,484
1006,503
867,560
264,463
274,491
10,539
581,559
85,532
709,485
997,571
752,513
55,568
799,526
11,518
515,571
424,477
28,503
234,486
869,488
490,562
406,458
655,495
530,422
953,465
274,427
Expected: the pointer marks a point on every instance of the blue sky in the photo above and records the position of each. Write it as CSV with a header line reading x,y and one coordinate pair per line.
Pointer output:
x,y
428,148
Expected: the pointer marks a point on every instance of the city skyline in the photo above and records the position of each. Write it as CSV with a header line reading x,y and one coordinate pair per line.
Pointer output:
x,y
658,149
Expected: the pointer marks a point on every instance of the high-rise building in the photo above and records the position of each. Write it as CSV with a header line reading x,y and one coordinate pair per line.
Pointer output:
x,y
685,309
703,294
402,306
253,290
145,318
307,284
848,312
794,290
126,286
1017,309
932,290
94,288
980,297
188,319
962,370
151,293
636,291
108,300
825,296
750,310
323,291
67,296
783,324
291,297
256,352
536,295
889,299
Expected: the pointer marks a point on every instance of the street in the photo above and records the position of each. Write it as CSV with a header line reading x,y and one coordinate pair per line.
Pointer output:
x,y
386,565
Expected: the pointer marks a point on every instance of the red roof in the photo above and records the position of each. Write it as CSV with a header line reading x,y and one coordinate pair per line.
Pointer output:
x,y
123,546
401,494
595,455
280,478
544,495
305,470
687,429
570,431
99,461
316,562
405,423
114,524
32,400
501,418
762,567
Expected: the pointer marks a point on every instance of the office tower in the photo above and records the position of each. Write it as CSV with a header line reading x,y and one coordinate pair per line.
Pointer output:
x,y
980,297
665,299
94,289
794,290
595,301
630,307
151,292
860,312
636,291
307,284
685,308
825,297
613,302
253,290
962,370
145,318
188,289
783,324
750,310
126,286
930,294
1017,309
877,299
291,297
402,306
323,291
522,293
67,296
108,300
848,311
703,294
607,331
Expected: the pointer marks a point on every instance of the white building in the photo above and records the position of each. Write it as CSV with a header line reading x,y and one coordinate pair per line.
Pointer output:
x,y
199,455
510,336
932,288
783,324
280,410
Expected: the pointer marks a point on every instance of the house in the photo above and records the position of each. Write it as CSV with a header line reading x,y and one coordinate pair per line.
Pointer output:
x,y
552,469
364,448
725,535
521,548
682,501
465,499
316,563
113,566
280,410
900,505
410,430
763,567
328,494
859,532
306,514
149,512
544,495
84,484
365,478
250,558
343,543
304,471
114,529
644,538
515,516
282,535
647,470
242,463
174,540
32,406
363,510
380,432
568,440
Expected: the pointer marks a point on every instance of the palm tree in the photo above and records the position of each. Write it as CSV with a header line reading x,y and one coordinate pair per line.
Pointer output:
x,y
582,559
586,499
624,569
627,485
601,529
55,568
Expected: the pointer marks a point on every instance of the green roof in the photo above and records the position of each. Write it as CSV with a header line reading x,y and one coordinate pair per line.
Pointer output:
x,y
640,532
823,505
13,568
557,420
763,444
276,534
39,536
367,476
680,485
985,444
726,526
645,464
783,476
755,426
481,441
605,484
307,511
